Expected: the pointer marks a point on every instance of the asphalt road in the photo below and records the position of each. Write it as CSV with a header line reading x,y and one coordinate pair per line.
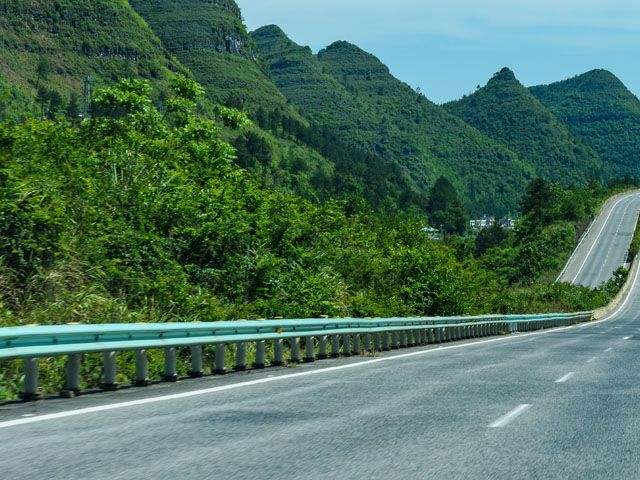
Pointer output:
x,y
604,247
558,404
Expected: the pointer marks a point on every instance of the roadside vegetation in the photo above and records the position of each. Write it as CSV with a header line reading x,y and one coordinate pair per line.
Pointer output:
x,y
141,214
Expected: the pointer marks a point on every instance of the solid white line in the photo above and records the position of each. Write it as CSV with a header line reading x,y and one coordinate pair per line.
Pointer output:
x,y
565,377
595,241
503,421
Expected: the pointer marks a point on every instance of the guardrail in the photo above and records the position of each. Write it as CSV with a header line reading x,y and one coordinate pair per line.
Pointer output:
x,y
345,337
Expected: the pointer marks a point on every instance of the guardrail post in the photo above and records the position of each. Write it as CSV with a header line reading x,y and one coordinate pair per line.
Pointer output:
x,y
322,347
278,353
31,378
259,362
142,368
72,376
219,367
335,346
241,357
197,365
356,344
404,342
367,342
170,370
109,371
294,347
395,340
385,341
346,345
377,341
309,353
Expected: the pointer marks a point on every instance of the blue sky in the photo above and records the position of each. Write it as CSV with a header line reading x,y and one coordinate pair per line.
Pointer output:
x,y
447,47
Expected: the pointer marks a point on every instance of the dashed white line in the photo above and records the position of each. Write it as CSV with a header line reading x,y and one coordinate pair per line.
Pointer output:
x,y
516,412
626,338
592,359
566,377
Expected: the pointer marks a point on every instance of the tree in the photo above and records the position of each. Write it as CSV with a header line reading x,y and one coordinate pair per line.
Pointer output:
x,y
489,238
73,109
43,70
445,208
538,201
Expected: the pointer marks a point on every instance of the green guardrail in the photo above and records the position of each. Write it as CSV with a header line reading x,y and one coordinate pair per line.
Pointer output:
x,y
321,338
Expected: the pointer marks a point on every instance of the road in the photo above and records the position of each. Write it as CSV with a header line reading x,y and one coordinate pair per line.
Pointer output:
x,y
604,247
558,404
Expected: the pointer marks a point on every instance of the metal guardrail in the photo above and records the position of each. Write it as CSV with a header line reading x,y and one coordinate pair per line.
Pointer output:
x,y
346,337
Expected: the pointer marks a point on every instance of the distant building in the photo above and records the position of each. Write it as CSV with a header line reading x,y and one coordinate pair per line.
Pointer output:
x,y
508,223
482,223
432,233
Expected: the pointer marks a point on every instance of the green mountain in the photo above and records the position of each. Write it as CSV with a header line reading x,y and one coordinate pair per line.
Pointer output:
x,y
209,37
51,46
352,93
506,111
598,108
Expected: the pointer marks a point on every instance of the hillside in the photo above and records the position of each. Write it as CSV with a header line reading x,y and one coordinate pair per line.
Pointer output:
x,y
506,111
603,112
52,45
353,93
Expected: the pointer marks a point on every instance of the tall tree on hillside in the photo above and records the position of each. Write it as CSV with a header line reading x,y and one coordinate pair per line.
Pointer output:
x,y
445,208
538,201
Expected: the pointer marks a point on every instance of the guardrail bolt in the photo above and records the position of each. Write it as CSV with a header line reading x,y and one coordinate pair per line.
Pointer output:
x,y
72,376
197,363
109,371
218,367
309,353
260,355
170,370
31,379
142,368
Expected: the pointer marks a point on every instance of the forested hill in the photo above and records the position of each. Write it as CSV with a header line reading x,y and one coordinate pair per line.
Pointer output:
x,y
353,93
599,108
49,47
507,111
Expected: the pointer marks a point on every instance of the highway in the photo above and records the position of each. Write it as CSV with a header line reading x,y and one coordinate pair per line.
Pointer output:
x,y
603,248
558,404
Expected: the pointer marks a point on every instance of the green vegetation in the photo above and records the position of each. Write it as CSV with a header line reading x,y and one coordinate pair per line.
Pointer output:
x,y
506,111
139,216
352,94
48,48
598,108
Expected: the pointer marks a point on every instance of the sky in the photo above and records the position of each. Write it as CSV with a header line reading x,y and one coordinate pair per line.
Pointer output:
x,y
448,47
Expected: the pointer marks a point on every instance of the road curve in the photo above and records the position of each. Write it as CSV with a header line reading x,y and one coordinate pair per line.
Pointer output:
x,y
603,248
554,404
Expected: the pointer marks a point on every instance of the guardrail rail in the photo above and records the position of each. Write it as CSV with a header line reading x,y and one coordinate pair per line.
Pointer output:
x,y
292,341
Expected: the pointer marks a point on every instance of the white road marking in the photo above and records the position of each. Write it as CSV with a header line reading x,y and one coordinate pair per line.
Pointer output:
x,y
626,338
592,359
595,241
566,377
609,349
516,412
194,393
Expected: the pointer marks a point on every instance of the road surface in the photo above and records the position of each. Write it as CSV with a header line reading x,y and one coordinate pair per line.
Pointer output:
x,y
558,404
604,247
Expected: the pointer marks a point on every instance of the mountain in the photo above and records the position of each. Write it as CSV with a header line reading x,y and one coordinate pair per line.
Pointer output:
x,y
53,45
598,108
210,38
354,94
507,111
